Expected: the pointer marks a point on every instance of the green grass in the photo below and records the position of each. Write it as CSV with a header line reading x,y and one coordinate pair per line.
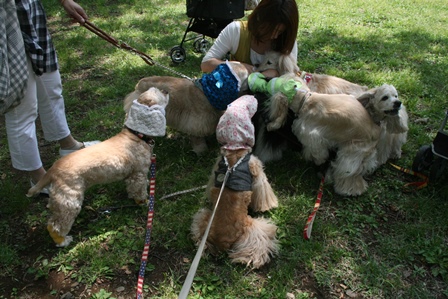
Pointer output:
x,y
387,243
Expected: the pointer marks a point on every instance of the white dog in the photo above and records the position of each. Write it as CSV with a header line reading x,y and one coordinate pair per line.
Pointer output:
x,y
126,156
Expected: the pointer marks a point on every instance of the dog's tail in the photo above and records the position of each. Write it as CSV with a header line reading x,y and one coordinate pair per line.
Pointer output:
x,y
46,180
256,246
263,197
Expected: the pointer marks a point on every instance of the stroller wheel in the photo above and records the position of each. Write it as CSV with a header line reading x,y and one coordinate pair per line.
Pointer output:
x,y
201,45
423,159
177,54
437,169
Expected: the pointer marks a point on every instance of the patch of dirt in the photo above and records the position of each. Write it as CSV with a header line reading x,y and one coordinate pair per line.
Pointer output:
x,y
23,284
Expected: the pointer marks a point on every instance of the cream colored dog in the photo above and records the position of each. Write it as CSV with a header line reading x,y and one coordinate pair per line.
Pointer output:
x,y
363,138
389,112
247,240
189,110
319,83
273,141
126,156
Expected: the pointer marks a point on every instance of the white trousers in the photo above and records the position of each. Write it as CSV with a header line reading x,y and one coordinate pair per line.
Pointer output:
x,y
43,97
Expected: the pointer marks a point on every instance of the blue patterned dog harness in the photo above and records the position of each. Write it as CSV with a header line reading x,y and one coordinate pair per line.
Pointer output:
x,y
221,86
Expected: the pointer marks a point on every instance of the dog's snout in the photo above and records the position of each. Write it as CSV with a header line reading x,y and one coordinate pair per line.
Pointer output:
x,y
397,104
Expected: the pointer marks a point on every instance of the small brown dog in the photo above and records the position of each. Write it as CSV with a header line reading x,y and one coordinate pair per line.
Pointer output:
x,y
126,156
247,240
189,110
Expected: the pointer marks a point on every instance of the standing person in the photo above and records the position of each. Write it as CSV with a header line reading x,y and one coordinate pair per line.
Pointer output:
x,y
272,25
43,95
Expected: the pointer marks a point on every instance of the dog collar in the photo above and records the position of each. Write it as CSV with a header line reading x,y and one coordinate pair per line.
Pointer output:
x,y
306,76
306,95
147,139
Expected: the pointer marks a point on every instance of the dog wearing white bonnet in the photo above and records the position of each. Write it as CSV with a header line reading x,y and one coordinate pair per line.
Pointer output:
x,y
251,241
126,156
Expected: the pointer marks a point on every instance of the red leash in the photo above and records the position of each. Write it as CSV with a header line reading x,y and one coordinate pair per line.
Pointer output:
x,y
152,186
309,223
417,185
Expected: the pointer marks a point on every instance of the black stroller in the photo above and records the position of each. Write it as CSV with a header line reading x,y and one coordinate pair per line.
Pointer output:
x,y
434,157
207,18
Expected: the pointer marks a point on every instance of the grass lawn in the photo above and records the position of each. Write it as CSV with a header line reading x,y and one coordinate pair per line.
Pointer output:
x,y
391,242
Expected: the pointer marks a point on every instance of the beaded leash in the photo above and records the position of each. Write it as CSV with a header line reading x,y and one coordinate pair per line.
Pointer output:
x,y
309,223
152,185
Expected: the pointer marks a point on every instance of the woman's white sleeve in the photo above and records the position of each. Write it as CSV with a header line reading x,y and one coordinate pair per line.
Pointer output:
x,y
294,52
227,41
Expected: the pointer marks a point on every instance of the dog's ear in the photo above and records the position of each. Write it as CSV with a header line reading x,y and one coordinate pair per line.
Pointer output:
x,y
286,64
146,98
365,98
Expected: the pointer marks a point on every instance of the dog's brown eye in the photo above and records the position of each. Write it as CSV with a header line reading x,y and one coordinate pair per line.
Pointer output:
x,y
384,98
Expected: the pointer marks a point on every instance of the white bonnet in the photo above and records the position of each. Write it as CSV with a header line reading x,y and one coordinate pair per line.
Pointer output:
x,y
149,121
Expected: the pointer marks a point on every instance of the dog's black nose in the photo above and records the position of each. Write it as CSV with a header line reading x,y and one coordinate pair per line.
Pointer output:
x,y
397,104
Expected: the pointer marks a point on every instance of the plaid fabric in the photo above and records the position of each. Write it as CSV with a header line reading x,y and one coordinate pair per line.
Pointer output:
x,y
13,68
38,43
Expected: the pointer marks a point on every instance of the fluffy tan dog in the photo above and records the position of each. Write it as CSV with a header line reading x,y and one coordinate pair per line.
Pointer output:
x,y
126,156
247,240
389,112
272,141
359,135
189,110
319,83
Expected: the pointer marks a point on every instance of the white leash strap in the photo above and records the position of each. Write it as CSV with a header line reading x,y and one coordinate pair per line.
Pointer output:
x,y
194,265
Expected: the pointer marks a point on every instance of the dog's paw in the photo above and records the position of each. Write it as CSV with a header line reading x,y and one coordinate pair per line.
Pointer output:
x,y
272,126
200,148
141,202
395,155
66,242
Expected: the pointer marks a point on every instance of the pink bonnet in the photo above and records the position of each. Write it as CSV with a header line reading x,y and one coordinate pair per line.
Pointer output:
x,y
235,129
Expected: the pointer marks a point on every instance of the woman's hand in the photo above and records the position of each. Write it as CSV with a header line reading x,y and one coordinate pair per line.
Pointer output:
x,y
74,10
